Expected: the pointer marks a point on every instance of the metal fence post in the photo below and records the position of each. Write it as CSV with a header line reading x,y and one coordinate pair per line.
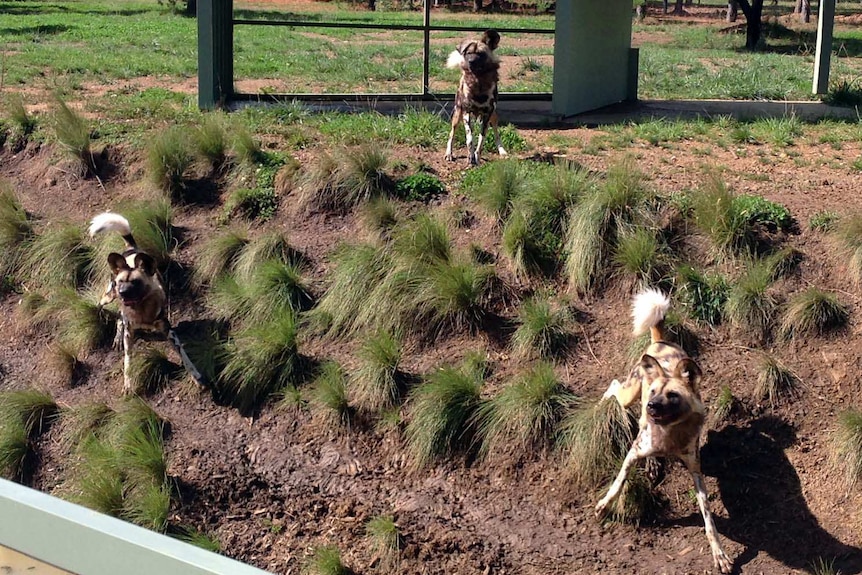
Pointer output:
x,y
215,52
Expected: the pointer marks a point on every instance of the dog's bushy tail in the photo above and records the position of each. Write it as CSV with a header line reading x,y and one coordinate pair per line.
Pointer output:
x,y
455,59
648,310
111,222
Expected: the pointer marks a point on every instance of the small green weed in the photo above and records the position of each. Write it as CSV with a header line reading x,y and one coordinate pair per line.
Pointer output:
x,y
419,187
822,221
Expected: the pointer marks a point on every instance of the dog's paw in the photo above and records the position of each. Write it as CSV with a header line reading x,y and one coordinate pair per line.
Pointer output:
x,y
449,158
722,561
612,389
502,152
601,509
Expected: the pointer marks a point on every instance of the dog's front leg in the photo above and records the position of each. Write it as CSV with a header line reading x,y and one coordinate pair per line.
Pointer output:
x,y
483,130
118,337
496,125
719,557
468,131
617,485
128,342
457,115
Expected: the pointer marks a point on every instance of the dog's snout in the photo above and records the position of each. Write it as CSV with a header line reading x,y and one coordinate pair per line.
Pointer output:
x,y
655,406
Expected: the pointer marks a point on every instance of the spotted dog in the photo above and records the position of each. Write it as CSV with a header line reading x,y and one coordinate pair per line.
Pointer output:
x,y
477,91
672,413
135,283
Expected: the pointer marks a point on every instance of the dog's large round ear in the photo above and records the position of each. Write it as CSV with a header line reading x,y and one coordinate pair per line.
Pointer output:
x,y
146,263
117,263
651,366
491,38
688,371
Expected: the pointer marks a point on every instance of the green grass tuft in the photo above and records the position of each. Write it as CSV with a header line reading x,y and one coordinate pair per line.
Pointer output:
x,y
823,220
151,371
380,216
724,403
524,416
595,438
329,394
326,560
73,135
59,257
813,312
210,140
204,540
775,381
443,412
750,305
169,158
543,331
642,256
704,295
350,178
376,383
261,359
385,541
24,414
219,255
847,233
846,454
16,233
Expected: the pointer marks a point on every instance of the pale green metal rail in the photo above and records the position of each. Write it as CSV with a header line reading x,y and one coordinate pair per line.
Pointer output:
x,y
84,542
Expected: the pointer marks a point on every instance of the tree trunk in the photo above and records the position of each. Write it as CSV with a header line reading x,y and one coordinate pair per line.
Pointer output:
x,y
753,13
477,5
732,10
665,6
678,8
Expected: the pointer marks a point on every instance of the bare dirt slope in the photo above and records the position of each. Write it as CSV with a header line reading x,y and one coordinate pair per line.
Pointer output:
x,y
273,487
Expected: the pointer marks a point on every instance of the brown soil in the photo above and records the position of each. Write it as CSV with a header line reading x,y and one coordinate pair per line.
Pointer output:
x,y
273,487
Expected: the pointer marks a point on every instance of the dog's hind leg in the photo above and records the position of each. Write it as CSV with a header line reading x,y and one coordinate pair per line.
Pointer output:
x,y
457,116
187,362
719,557
495,123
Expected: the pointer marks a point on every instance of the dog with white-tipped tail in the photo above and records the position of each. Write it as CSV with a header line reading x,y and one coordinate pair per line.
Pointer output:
x,y
672,414
135,285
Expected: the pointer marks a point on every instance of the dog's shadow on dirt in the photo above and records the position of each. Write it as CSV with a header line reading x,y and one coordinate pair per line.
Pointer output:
x,y
763,496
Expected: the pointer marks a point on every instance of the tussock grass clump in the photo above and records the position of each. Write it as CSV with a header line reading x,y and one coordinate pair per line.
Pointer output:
x,y
775,381
83,324
380,216
847,233
16,232
724,403
73,135
260,359
703,294
81,421
219,255
246,148
377,383
720,217
413,286
595,437
120,466
750,305
525,414
204,540
169,158
813,312
847,447
350,178
326,560
495,186
637,501
210,140
641,255
151,371
60,257
23,122
443,412
23,415
269,246
596,222
543,331
385,541
329,394
823,221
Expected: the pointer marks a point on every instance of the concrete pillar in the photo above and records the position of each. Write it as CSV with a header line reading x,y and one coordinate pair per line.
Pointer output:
x,y
592,57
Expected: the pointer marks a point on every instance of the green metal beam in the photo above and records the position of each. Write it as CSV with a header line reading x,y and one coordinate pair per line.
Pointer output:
x,y
85,542
215,52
